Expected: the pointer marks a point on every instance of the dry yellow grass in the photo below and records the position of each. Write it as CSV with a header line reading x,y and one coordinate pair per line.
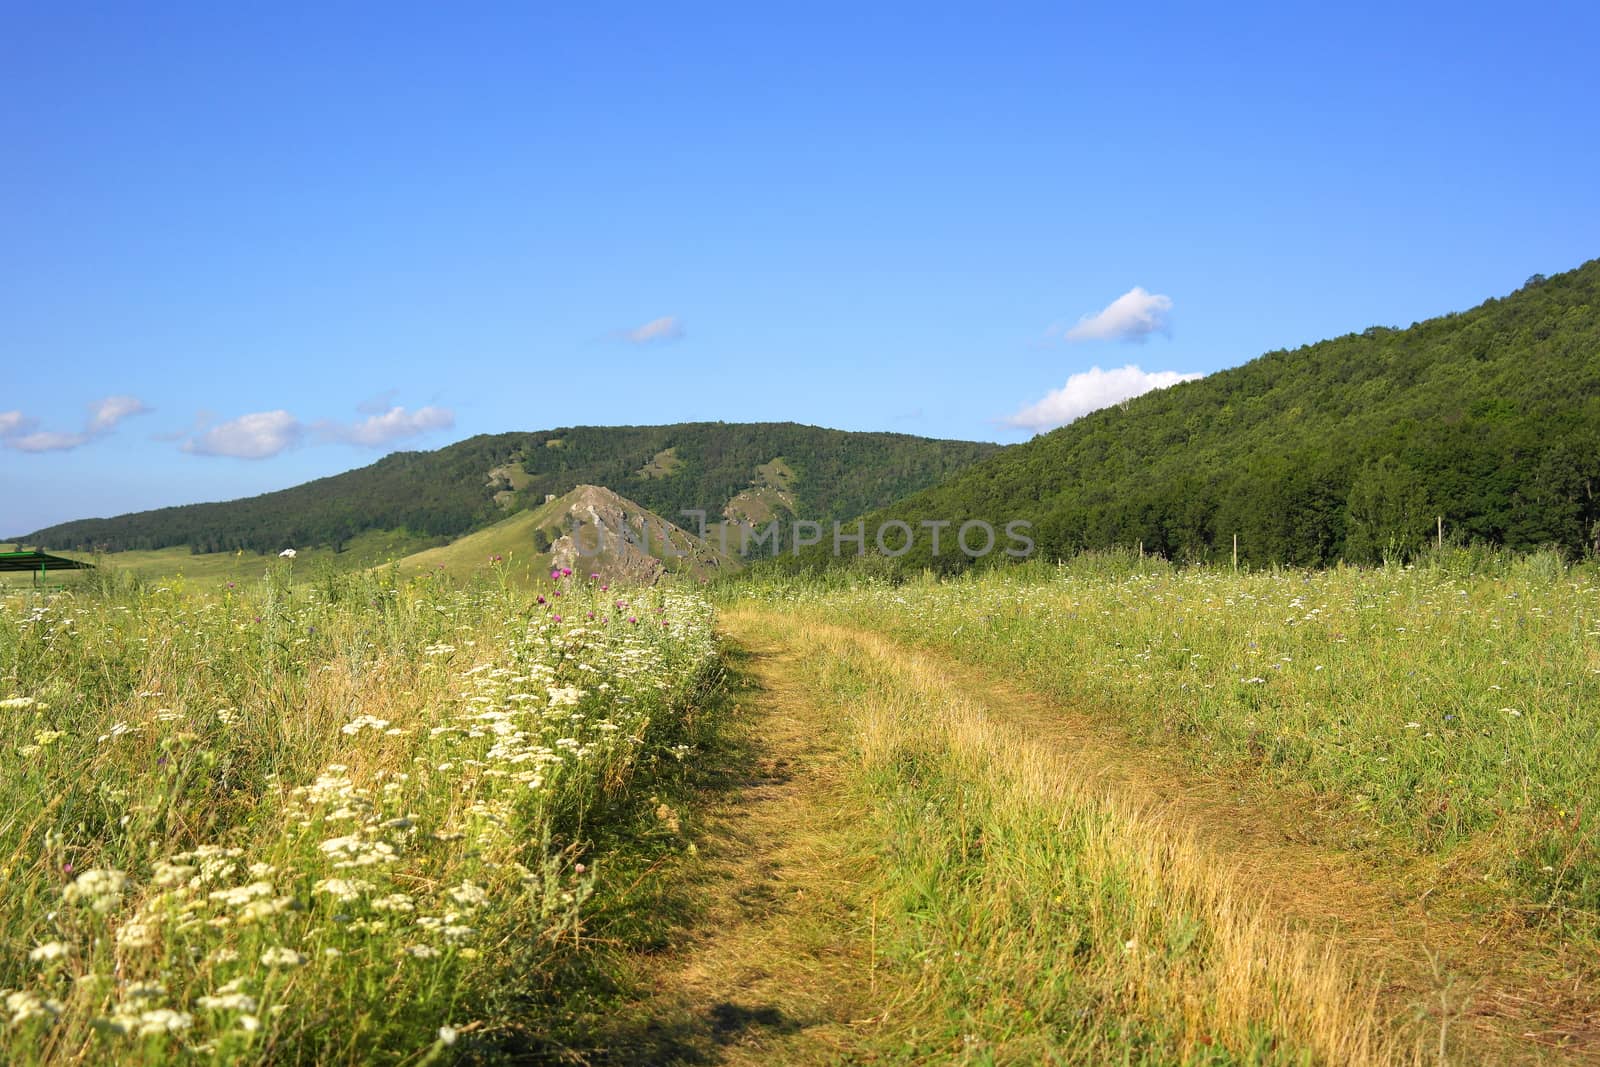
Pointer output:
x,y
1463,984
1258,974
912,862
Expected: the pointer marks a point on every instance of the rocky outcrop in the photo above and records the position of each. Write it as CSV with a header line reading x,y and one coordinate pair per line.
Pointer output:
x,y
609,535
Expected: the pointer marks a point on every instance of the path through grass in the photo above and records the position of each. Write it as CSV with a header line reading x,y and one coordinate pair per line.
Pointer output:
x,y
953,869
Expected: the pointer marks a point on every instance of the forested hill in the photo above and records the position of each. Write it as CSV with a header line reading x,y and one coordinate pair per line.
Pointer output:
x,y
1346,449
817,472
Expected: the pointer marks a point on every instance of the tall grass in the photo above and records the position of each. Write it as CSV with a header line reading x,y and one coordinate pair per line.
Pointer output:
x,y
1023,917
318,822
1447,710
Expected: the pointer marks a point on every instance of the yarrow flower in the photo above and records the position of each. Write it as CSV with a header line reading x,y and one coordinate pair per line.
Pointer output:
x,y
50,950
469,895
230,1001
344,888
363,722
100,889
24,1006
164,1021
394,902
136,935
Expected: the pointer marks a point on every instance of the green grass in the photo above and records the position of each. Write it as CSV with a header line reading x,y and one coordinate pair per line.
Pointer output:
x,y
514,539
1017,917
1446,711
313,822
663,464
214,570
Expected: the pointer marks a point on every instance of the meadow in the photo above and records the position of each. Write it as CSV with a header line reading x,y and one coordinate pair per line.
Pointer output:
x,y
1133,812
346,819
1108,810
214,570
1007,912
1445,710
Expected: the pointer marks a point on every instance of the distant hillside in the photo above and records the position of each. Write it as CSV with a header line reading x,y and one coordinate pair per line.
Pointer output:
x,y
590,530
753,467
1347,449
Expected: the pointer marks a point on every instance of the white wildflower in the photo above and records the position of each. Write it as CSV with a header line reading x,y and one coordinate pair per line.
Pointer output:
x,y
238,896
136,935
24,1006
164,1021
363,722
394,902
100,889
469,895
50,950
260,909
233,1001
172,874
344,888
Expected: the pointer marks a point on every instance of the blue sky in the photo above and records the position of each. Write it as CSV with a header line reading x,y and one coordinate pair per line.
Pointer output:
x,y
316,234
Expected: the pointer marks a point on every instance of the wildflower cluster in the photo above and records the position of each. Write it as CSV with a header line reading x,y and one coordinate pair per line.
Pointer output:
x,y
421,833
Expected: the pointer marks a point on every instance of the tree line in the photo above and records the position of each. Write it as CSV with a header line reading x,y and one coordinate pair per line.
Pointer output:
x,y
1348,449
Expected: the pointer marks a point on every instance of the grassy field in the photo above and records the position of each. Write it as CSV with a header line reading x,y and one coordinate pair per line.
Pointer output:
x,y
1349,815
214,570
348,820
1014,913
1446,711
1108,811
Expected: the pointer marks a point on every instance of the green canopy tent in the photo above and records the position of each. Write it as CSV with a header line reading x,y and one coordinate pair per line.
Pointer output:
x,y
39,563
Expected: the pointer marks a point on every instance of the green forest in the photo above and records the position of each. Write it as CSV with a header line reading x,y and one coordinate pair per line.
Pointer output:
x,y
1349,449
449,492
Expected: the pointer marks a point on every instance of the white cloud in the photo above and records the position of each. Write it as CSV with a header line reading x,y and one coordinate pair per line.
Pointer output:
x,y
666,328
104,416
392,425
1092,390
260,435
18,431
1133,316
15,422
47,441
264,434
